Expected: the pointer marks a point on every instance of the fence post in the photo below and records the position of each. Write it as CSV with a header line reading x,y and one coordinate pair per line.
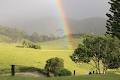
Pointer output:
x,y
13,70
74,72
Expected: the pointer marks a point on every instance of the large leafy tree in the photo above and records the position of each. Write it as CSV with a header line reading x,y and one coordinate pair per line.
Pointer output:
x,y
113,23
100,50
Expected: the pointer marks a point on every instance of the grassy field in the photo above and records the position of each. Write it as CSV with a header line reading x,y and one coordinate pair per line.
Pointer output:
x,y
87,77
61,44
10,54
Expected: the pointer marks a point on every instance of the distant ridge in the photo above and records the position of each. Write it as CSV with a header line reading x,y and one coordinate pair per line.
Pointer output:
x,y
90,25
49,26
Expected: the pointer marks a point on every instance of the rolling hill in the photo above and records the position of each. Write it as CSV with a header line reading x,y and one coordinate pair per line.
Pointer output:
x,y
89,25
8,34
50,25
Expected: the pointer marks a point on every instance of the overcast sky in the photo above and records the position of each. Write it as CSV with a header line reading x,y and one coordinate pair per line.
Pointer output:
x,y
26,13
28,9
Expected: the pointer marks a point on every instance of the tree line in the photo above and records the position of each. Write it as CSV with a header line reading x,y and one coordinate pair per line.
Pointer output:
x,y
17,35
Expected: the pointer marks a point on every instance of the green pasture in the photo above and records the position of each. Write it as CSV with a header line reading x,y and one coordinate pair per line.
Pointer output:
x,y
10,54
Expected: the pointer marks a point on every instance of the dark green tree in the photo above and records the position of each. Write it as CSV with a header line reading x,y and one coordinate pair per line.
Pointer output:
x,y
54,64
113,23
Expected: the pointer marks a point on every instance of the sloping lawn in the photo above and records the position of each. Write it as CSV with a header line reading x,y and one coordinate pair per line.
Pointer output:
x,y
10,54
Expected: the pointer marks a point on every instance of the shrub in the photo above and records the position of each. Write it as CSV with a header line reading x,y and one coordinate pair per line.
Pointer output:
x,y
29,44
54,64
62,72
113,65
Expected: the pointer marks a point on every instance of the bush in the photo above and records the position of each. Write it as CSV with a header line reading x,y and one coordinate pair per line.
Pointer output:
x,y
113,65
62,72
29,44
54,64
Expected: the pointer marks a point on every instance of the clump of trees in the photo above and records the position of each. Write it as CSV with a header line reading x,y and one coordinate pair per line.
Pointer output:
x,y
29,44
104,51
56,66
35,37
16,35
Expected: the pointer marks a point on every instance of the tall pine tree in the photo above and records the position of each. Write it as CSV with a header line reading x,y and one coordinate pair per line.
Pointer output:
x,y
113,23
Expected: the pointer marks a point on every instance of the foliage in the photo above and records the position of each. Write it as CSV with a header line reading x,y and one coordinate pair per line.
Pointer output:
x,y
81,54
54,64
111,53
99,49
29,44
113,23
62,72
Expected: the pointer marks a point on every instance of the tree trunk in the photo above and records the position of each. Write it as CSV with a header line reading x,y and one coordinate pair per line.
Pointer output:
x,y
99,67
104,69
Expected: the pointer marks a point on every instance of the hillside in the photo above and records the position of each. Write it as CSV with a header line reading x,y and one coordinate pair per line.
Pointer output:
x,y
46,29
8,34
89,25
62,44
51,25
17,35
4,38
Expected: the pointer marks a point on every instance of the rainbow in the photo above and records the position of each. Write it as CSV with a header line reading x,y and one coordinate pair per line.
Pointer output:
x,y
64,21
